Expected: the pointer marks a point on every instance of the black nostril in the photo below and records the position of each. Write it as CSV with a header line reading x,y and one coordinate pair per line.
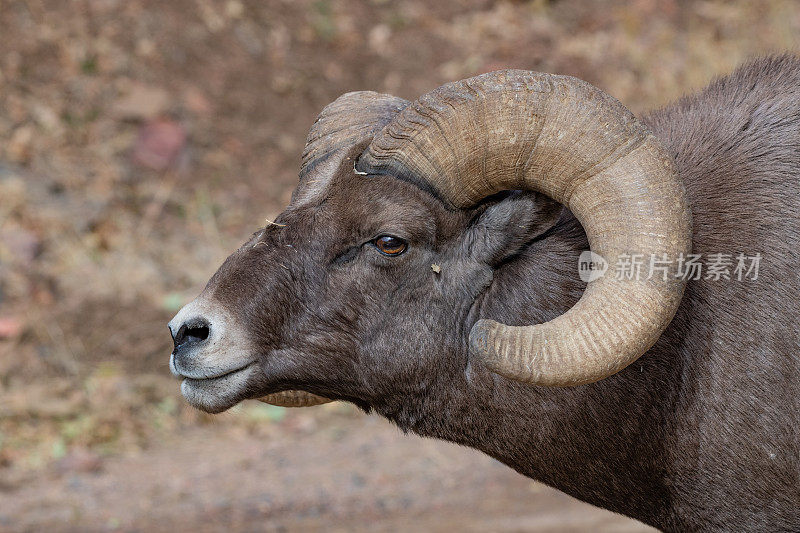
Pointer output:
x,y
190,332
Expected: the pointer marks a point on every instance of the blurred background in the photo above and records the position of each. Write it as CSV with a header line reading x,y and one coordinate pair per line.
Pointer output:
x,y
141,141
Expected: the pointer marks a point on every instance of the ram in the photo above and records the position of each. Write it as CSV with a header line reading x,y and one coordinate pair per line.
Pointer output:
x,y
426,269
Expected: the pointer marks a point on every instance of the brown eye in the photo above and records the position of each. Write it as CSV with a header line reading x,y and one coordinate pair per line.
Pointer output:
x,y
389,245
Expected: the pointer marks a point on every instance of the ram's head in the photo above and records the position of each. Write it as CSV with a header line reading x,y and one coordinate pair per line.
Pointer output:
x,y
370,287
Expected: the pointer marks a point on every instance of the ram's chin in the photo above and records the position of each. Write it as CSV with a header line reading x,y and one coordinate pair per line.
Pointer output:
x,y
218,394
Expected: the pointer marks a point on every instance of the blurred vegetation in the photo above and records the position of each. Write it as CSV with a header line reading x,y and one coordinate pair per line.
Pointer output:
x,y
141,141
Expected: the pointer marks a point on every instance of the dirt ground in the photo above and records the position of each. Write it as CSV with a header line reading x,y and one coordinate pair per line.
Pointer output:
x,y
142,141
355,474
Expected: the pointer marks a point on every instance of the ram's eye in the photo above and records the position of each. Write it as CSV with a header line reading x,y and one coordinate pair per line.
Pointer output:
x,y
390,245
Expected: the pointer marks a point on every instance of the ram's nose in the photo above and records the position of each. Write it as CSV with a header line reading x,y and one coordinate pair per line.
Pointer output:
x,y
191,332
190,337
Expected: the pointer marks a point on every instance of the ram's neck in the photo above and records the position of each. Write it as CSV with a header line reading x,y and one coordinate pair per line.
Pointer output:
x,y
602,443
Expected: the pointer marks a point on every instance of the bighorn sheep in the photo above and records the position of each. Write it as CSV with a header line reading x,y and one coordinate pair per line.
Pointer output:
x,y
426,269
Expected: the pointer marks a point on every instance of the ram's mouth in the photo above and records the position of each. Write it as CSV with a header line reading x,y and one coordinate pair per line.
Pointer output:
x,y
220,391
212,374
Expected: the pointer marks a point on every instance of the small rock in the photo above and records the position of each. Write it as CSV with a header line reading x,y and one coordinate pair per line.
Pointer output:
x,y
379,39
145,47
10,328
234,9
142,102
80,460
19,245
18,149
196,101
159,144
46,117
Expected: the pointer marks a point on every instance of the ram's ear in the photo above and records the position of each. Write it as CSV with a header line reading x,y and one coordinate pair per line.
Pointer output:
x,y
508,226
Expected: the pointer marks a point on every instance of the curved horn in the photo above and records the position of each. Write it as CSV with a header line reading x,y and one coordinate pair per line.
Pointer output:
x,y
571,141
293,398
350,119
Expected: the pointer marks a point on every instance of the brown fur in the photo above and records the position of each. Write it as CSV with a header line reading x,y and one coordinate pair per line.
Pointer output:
x,y
701,433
